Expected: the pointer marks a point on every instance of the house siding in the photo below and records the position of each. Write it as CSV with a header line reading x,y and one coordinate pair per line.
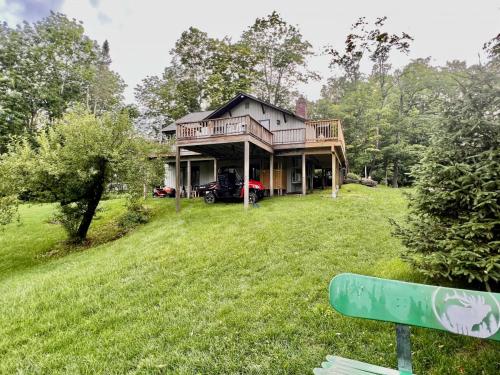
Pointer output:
x,y
273,115
206,172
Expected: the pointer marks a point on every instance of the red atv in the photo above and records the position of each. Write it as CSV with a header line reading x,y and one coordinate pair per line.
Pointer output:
x,y
229,185
163,192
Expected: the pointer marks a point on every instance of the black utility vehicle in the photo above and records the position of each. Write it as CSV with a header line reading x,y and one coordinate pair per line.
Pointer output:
x,y
229,185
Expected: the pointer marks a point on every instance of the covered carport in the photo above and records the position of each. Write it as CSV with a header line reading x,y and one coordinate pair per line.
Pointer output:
x,y
236,147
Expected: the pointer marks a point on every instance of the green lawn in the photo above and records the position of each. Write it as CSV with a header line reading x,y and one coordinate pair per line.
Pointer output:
x,y
214,290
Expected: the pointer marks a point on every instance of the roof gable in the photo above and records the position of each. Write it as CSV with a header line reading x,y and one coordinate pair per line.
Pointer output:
x,y
242,96
205,115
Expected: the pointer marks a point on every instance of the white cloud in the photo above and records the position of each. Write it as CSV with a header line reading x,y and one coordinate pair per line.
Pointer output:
x,y
15,11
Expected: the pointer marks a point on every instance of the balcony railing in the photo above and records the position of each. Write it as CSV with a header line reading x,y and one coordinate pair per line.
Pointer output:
x,y
314,131
223,127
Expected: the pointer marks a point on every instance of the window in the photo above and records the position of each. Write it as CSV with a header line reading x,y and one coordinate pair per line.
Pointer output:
x,y
278,122
247,105
296,175
265,123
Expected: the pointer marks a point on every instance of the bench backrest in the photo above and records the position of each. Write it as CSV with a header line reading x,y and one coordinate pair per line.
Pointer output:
x,y
466,312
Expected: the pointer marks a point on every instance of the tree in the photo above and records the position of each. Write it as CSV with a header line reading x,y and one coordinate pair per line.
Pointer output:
x,y
45,68
376,44
204,73
230,71
220,68
413,109
355,48
452,229
168,97
357,108
281,56
72,162
105,88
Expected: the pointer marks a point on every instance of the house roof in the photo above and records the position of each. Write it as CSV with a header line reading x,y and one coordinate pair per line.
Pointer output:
x,y
190,117
242,96
198,116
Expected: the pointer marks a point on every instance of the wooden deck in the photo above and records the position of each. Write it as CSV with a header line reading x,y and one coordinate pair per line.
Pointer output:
x,y
223,127
318,133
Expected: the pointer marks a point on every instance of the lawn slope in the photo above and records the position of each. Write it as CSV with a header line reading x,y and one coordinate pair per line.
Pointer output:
x,y
213,290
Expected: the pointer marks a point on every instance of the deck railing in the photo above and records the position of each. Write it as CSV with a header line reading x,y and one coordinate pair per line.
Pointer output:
x,y
222,127
314,131
288,136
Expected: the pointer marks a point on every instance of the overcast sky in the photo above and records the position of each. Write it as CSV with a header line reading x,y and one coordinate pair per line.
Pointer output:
x,y
141,33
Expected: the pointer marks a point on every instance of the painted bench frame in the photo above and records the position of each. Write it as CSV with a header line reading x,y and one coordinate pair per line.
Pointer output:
x,y
461,311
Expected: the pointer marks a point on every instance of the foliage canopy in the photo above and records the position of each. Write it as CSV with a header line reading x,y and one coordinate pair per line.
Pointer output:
x,y
73,162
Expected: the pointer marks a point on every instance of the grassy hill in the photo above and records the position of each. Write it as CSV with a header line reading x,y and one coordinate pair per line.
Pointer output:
x,y
212,290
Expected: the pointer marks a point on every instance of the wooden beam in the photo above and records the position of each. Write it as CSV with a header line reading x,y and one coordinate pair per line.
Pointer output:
x,y
271,175
334,175
189,179
260,144
298,151
246,174
178,179
304,177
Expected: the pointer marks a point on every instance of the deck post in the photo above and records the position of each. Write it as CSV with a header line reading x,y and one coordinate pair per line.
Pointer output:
x,y
304,177
177,179
334,175
189,179
271,175
311,178
246,173
215,169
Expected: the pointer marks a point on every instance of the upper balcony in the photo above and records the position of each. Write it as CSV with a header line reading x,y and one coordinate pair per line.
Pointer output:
x,y
313,134
223,127
230,129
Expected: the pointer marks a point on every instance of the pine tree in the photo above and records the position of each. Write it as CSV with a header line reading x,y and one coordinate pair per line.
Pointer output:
x,y
453,228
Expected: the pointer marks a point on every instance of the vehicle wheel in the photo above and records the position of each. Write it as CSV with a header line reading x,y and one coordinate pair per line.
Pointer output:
x,y
252,197
209,197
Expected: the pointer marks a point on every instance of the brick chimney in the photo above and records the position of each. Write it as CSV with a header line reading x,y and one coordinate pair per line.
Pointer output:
x,y
301,107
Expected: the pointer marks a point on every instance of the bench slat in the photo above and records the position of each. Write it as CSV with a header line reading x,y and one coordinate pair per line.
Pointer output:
x,y
339,365
466,312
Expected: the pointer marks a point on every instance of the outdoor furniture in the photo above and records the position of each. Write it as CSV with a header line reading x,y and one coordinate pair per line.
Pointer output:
x,y
466,312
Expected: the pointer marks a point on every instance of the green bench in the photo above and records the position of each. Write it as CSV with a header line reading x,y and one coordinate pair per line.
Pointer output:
x,y
461,311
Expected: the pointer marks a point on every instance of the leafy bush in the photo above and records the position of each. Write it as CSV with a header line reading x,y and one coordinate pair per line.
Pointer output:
x,y
353,176
8,209
136,214
453,228
70,216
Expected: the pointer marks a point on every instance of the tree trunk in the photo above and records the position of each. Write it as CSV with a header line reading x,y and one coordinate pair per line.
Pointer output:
x,y
93,201
395,174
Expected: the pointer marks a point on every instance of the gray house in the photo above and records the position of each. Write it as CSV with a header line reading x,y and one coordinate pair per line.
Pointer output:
x,y
284,150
